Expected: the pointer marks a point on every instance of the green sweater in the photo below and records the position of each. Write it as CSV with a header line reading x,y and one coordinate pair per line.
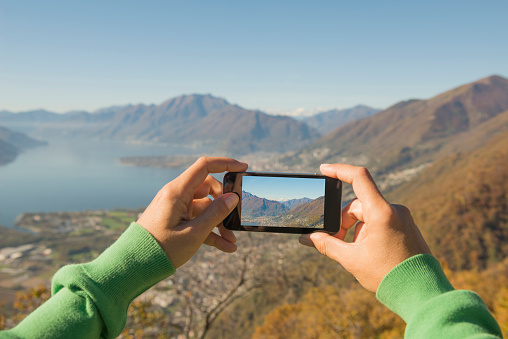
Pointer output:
x,y
91,300
419,292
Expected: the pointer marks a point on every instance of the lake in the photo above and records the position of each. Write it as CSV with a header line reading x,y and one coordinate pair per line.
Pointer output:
x,y
77,175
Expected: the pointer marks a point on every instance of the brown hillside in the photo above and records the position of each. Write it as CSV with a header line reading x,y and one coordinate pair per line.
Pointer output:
x,y
312,211
410,132
461,205
476,137
255,206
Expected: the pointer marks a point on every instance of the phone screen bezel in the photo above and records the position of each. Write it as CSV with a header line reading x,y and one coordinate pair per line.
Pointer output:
x,y
232,182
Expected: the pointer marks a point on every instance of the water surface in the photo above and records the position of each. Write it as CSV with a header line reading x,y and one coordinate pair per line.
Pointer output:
x,y
77,175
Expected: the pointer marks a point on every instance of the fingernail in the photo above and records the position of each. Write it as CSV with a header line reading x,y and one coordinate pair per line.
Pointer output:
x,y
231,200
304,240
325,165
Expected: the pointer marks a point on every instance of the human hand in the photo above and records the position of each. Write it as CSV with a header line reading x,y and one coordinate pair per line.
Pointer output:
x,y
385,235
181,217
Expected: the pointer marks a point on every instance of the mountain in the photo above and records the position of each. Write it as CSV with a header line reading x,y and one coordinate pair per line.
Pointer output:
x,y
292,203
11,143
326,122
27,122
18,140
311,213
256,207
411,132
460,204
310,210
7,152
201,122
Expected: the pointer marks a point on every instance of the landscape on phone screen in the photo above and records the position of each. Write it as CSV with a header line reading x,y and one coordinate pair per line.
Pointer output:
x,y
283,202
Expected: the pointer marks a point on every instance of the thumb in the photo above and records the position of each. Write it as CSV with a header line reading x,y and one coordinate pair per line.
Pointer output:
x,y
216,212
332,247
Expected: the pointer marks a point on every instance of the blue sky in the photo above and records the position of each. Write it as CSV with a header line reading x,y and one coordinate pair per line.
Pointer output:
x,y
73,55
273,188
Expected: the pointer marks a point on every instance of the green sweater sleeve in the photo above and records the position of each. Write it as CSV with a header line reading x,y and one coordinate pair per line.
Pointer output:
x,y
419,292
91,300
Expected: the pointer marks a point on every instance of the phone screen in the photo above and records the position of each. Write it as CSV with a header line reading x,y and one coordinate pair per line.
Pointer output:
x,y
283,202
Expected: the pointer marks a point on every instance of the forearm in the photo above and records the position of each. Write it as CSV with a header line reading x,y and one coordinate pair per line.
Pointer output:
x,y
419,292
91,300
67,314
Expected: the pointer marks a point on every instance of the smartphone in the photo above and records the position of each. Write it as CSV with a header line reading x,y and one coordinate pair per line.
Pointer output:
x,y
284,202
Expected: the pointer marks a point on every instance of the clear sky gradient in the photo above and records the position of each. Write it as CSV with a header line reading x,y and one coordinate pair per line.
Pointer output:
x,y
85,55
273,188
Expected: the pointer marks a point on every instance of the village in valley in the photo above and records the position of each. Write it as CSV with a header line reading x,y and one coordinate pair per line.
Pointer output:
x,y
47,241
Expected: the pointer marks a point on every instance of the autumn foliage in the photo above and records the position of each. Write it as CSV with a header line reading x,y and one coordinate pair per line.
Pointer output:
x,y
331,313
355,313
460,203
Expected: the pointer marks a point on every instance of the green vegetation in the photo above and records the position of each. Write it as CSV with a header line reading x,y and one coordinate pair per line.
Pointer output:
x,y
118,220
12,237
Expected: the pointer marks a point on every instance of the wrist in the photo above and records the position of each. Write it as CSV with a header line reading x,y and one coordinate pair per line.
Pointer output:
x,y
411,283
130,266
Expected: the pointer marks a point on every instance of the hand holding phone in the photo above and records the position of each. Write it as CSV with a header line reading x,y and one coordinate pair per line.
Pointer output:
x,y
284,202
384,236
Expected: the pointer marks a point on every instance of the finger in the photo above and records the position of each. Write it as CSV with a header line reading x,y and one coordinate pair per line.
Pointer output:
x,y
341,234
328,245
358,229
210,186
227,234
199,205
194,176
363,185
219,242
213,215
351,213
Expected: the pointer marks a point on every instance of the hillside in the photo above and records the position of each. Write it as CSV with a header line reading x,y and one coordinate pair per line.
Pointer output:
x,y
461,205
256,207
312,212
7,152
198,122
325,122
411,132
12,143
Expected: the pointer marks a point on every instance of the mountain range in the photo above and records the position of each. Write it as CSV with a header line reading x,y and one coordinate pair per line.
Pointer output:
x,y
255,206
200,122
197,123
413,132
327,121
291,203
459,199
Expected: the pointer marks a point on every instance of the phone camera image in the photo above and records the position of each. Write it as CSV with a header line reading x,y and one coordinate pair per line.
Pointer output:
x,y
283,202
